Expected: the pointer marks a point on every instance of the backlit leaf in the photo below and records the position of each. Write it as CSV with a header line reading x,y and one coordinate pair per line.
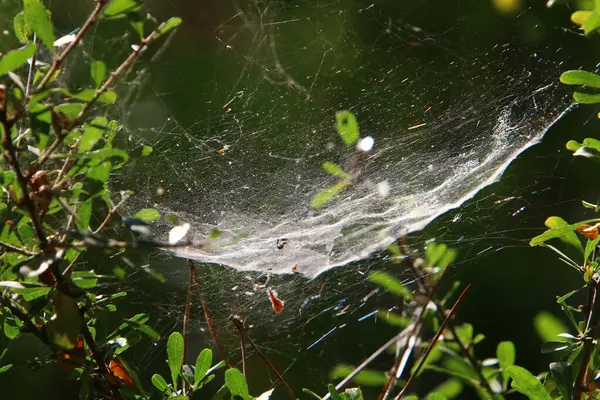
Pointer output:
x,y
524,382
347,127
38,19
22,31
175,349
202,366
323,197
148,215
98,72
391,284
235,382
15,58
548,327
117,7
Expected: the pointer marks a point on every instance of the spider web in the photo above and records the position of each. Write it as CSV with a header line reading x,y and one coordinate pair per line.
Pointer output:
x,y
238,146
447,120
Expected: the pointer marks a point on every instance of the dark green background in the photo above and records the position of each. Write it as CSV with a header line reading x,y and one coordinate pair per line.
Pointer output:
x,y
511,281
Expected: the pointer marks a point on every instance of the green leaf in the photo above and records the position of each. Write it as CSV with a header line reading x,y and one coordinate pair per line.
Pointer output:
x,y
451,388
235,382
117,7
98,72
172,23
334,170
506,354
524,382
366,377
333,393
85,279
569,237
578,77
391,284
148,215
71,110
562,375
108,97
22,31
175,349
436,396
100,172
202,366
326,195
586,98
15,58
589,249
5,368
557,232
38,19
84,215
313,394
592,23
92,132
146,150
159,382
548,327
347,127
64,329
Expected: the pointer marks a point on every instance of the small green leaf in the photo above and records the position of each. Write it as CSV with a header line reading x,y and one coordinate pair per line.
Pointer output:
x,y
524,382
562,375
557,232
548,327
148,215
98,72
334,170
573,145
391,284
5,368
202,366
452,388
84,215
92,132
108,97
15,58
569,237
592,23
436,396
235,382
578,77
146,150
323,197
172,23
347,127
159,382
38,19
117,7
506,354
175,349
366,377
71,110
22,31
333,392
586,98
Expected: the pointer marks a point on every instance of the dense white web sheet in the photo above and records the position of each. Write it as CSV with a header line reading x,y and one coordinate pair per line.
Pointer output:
x,y
447,120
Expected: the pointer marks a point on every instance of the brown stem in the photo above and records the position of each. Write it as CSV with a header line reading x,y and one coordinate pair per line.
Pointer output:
x,y
207,316
16,249
86,26
239,324
114,75
591,327
434,341
187,313
11,158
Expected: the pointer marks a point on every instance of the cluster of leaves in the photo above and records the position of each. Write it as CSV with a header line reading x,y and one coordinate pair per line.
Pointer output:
x,y
59,152
349,132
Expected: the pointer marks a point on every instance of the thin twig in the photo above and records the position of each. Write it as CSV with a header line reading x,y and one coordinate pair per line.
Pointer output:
x,y
207,316
593,315
86,26
440,309
187,313
239,324
28,86
111,212
11,158
16,249
433,341
112,78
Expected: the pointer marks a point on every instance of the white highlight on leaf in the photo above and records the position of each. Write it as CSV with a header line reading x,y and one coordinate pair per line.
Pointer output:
x,y
64,40
266,395
365,144
178,233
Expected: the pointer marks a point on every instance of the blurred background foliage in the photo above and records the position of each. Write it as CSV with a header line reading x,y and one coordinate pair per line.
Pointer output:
x,y
511,281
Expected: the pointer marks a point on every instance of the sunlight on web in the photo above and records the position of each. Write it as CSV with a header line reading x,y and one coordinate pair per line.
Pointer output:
x,y
447,120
